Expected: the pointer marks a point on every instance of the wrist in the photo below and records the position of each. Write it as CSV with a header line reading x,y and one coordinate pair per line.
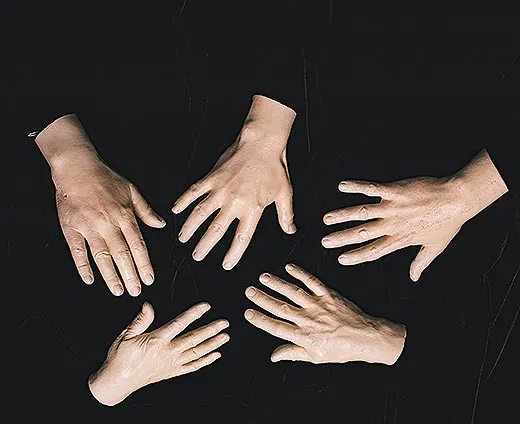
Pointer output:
x,y
108,388
392,338
477,185
65,144
268,124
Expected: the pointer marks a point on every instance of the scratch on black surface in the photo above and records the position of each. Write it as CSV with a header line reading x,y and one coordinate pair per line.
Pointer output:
x,y
504,300
50,240
294,246
199,129
193,279
503,345
246,402
306,100
188,92
179,14
506,72
57,330
172,249
174,279
330,14
486,346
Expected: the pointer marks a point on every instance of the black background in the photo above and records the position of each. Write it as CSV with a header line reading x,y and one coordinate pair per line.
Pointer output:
x,y
162,92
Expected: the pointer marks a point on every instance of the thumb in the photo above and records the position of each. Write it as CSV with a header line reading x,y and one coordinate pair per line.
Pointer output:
x,y
141,322
144,211
290,352
424,258
284,209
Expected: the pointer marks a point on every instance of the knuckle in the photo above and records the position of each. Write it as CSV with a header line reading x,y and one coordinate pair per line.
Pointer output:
x,y
298,292
244,237
193,354
138,245
194,188
201,211
101,255
217,228
78,250
284,309
121,254
363,212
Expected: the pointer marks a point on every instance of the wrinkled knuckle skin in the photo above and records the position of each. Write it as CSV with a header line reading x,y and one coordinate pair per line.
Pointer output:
x,y
102,255
138,246
217,228
201,211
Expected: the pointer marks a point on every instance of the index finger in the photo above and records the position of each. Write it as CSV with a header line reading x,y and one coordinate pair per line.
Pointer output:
x,y
243,235
189,196
137,246
368,188
181,322
280,329
311,281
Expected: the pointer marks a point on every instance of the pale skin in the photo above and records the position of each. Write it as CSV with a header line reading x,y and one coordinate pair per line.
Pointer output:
x,y
320,324
423,211
99,208
249,176
138,358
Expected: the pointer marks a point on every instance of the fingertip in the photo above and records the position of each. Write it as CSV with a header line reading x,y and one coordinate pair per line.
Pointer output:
x,y
228,265
248,313
88,279
274,359
290,229
290,267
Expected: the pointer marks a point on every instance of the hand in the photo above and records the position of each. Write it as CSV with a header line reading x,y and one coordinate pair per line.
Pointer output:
x,y
324,326
137,359
250,175
96,204
424,211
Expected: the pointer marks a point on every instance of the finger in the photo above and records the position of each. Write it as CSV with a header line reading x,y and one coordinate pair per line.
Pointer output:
x,y
198,215
290,352
290,291
424,258
141,322
270,304
195,337
189,196
123,258
179,323
137,246
372,251
354,213
144,211
213,234
199,363
367,188
78,249
243,235
355,235
204,348
103,260
284,209
311,281
280,329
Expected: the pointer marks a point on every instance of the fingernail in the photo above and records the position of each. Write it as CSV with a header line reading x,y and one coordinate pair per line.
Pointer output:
x,y
327,218
342,185
227,266
265,277
325,241
290,267
174,208
118,290
148,279
274,359
181,237
250,292
206,306
291,228
249,314
343,260
224,323
197,255
136,292
89,279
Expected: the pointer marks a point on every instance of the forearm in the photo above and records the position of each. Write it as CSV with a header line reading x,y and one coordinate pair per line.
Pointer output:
x,y
479,184
65,143
268,124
